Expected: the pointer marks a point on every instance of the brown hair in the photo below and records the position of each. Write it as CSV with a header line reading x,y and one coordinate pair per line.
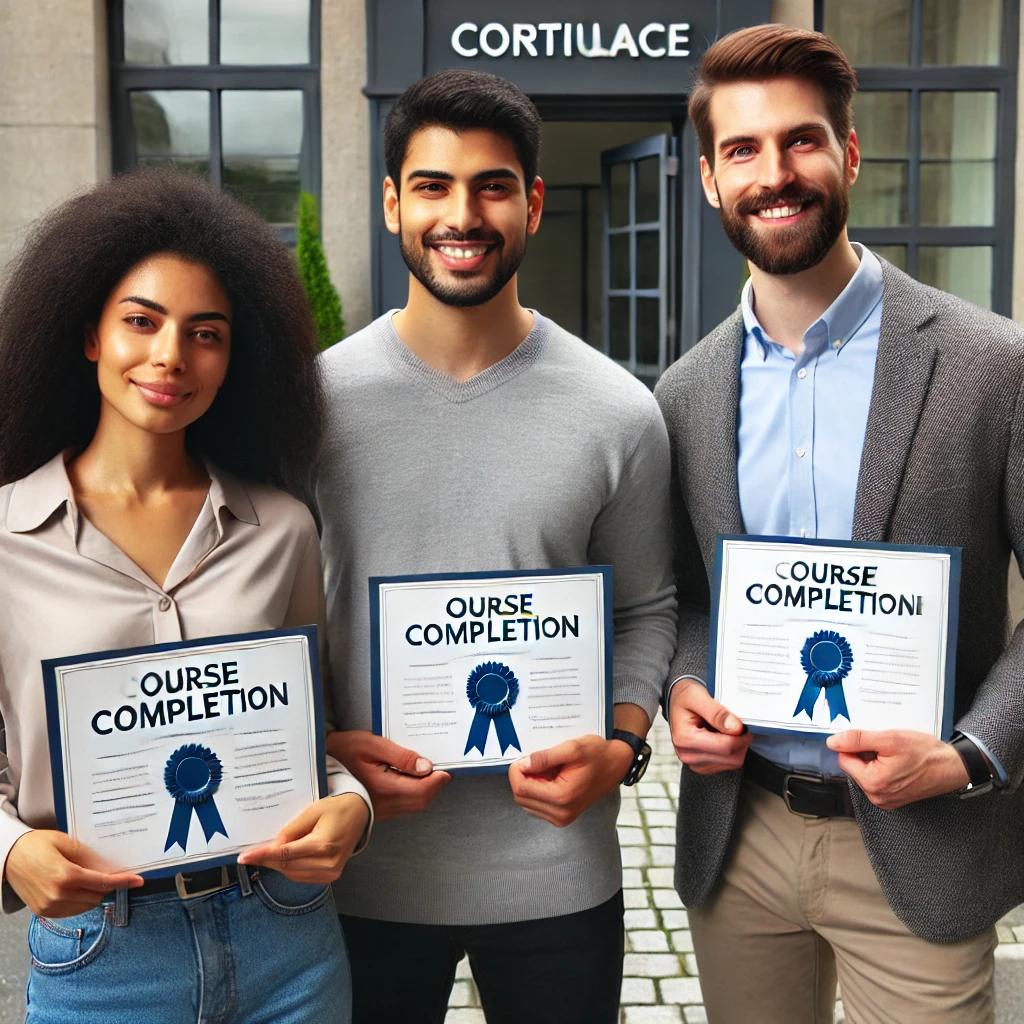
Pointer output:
x,y
774,51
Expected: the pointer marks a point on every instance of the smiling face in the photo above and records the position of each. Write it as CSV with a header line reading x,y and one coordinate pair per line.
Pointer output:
x,y
462,213
162,344
781,178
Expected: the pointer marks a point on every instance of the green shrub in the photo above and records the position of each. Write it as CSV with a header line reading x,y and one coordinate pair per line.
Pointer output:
x,y
316,279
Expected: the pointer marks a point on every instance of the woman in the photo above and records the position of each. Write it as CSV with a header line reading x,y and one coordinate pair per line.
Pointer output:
x,y
158,397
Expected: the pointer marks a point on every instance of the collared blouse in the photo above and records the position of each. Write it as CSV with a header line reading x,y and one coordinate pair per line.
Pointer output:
x,y
250,562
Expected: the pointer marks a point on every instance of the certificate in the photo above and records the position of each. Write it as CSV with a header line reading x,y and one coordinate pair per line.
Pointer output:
x,y
185,753
474,670
813,637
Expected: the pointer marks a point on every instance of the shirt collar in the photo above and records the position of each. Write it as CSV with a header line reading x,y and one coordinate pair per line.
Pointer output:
x,y
841,321
37,496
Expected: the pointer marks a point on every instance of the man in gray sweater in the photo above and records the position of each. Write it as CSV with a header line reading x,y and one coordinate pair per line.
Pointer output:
x,y
468,433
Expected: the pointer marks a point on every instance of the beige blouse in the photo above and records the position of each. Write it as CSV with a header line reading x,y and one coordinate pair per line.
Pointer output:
x,y
250,562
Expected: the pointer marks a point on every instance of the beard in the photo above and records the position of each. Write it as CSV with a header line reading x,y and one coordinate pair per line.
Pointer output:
x,y
788,250
463,288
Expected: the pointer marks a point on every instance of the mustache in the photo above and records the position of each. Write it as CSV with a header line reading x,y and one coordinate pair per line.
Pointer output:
x,y
455,237
788,196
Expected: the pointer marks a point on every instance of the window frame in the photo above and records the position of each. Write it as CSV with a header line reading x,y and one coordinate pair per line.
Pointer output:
x,y
215,78
916,78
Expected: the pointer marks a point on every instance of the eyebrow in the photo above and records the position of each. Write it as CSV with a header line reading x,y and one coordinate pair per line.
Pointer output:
x,y
738,140
157,308
496,172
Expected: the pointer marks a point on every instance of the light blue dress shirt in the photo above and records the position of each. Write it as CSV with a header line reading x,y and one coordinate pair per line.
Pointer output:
x,y
802,420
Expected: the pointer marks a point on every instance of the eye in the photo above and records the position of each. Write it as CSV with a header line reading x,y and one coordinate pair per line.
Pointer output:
x,y
742,151
803,141
139,320
496,188
205,334
431,188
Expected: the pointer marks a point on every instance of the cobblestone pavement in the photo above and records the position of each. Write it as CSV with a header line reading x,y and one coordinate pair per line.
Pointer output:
x,y
660,984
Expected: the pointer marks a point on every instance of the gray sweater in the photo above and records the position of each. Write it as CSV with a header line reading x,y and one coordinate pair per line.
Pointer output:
x,y
553,457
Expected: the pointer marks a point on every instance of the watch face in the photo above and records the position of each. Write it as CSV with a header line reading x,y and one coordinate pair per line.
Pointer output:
x,y
640,763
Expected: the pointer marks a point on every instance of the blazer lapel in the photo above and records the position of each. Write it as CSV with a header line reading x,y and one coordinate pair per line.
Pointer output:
x,y
903,371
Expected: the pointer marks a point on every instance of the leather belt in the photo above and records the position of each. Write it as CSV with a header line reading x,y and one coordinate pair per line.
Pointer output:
x,y
191,885
806,793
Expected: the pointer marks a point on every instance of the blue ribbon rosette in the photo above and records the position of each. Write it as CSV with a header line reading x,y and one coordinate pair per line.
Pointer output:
x,y
192,775
492,690
827,659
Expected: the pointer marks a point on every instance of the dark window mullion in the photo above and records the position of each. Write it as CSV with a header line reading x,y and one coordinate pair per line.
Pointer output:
x,y
213,13
914,175
916,32
633,164
216,149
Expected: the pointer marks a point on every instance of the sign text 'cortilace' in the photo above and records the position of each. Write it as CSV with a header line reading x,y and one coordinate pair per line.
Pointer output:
x,y
568,39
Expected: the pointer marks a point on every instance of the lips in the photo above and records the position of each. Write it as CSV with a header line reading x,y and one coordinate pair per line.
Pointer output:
x,y
777,207
160,393
462,254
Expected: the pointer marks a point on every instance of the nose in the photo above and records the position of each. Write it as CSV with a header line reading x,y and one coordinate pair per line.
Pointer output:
x,y
463,213
773,170
167,349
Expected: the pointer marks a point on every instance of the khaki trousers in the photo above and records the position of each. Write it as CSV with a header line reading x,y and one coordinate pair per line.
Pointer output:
x,y
797,908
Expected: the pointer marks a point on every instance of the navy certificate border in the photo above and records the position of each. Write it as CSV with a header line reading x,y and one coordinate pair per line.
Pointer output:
x,y
953,614
375,582
50,665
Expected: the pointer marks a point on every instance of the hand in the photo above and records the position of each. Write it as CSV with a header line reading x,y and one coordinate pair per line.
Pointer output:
x,y
906,766
57,876
398,779
560,783
707,736
315,845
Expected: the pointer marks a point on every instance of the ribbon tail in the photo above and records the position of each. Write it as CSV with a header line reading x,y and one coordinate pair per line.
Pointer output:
x,y
837,702
506,730
180,821
808,696
477,733
209,817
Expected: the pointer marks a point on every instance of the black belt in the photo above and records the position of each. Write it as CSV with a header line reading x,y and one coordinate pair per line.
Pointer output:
x,y
805,793
190,884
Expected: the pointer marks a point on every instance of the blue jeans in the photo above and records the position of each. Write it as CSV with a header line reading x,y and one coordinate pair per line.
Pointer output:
x,y
275,956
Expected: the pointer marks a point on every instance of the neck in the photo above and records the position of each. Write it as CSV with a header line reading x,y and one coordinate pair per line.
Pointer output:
x,y
787,304
462,341
122,459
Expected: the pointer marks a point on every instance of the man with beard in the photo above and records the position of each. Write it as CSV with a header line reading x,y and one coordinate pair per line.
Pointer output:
x,y
468,433
842,400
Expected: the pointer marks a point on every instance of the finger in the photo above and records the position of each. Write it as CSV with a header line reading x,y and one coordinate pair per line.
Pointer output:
x,y
538,809
556,793
550,758
302,824
697,700
860,771
400,758
88,880
703,742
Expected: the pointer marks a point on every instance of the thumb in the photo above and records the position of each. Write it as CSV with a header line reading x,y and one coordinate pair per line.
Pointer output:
x,y
717,715
851,741
302,824
402,758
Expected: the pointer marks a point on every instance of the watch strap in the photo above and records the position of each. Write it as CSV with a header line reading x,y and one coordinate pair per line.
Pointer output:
x,y
979,772
641,755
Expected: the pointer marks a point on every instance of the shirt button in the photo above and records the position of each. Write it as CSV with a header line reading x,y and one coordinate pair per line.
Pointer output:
x,y
165,603
837,344
801,373
801,452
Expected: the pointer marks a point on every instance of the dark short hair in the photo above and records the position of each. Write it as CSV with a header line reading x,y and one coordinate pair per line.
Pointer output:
x,y
266,421
462,99
764,52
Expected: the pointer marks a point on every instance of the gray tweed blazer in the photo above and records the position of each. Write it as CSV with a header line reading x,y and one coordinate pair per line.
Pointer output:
x,y
943,463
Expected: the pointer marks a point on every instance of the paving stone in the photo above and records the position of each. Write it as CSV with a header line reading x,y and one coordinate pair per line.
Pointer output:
x,y
464,994
672,919
660,819
634,898
685,991
1005,933
661,878
663,835
638,990
690,963
1010,951
682,941
651,965
663,856
1018,933
648,942
632,878
655,803
651,789
465,1016
462,970
652,1015
632,836
635,857
667,899
639,919
629,817
695,1015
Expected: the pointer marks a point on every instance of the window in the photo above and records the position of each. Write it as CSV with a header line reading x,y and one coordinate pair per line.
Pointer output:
x,y
935,118
226,88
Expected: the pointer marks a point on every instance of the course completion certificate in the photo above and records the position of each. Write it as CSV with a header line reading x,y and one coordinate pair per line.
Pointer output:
x,y
818,636
474,670
185,753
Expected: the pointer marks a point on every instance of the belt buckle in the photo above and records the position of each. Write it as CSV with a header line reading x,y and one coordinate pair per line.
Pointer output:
x,y
787,795
181,884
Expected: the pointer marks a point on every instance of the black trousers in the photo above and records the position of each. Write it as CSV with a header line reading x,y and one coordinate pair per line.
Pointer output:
x,y
555,970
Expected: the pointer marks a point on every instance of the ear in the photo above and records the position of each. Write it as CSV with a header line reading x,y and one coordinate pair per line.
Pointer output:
x,y
852,157
707,181
534,206
392,216
92,344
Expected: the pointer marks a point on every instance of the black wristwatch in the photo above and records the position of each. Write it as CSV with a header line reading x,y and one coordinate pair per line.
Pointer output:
x,y
981,778
641,755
